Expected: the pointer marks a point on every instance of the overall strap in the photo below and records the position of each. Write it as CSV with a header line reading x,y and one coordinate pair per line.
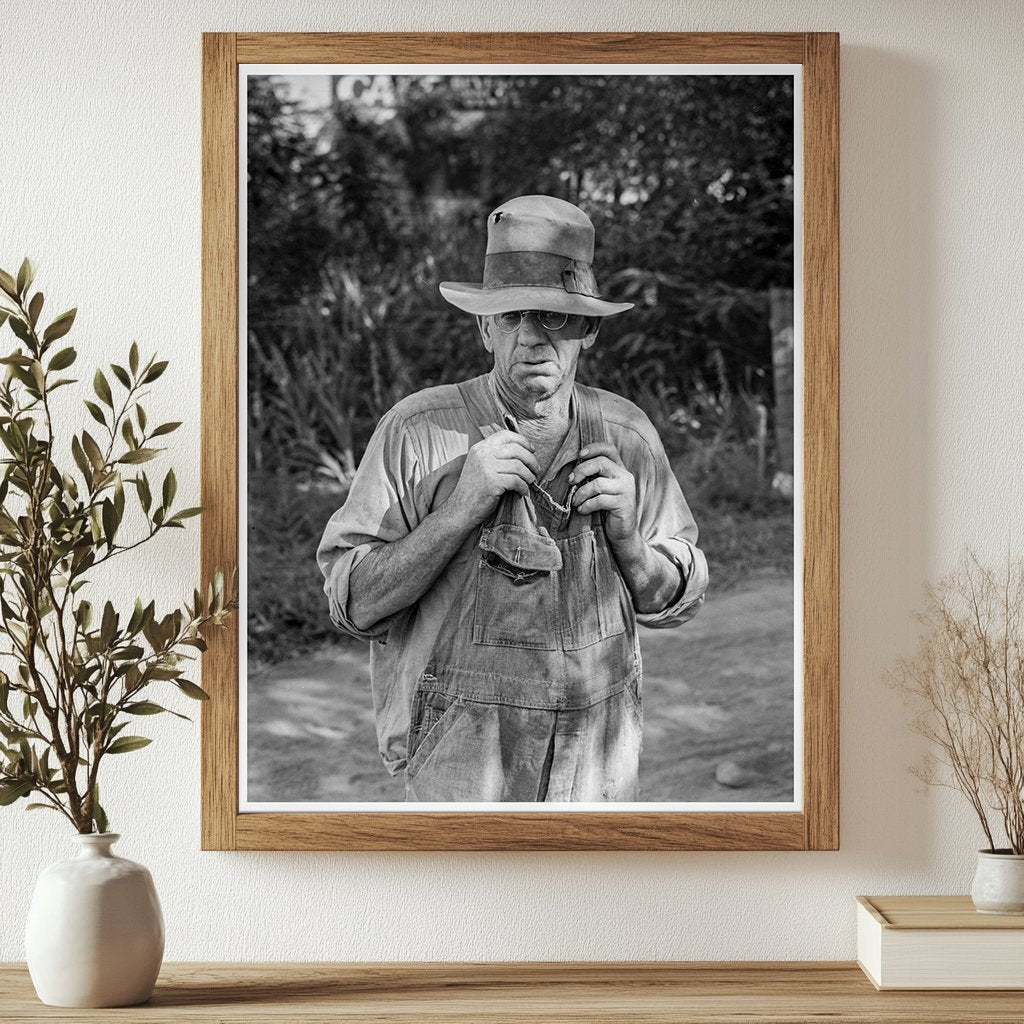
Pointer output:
x,y
481,406
591,420
588,408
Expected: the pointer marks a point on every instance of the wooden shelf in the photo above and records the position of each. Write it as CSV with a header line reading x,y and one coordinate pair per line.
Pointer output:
x,y
651,993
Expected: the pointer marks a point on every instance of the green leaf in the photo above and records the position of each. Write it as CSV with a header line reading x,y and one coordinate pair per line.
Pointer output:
x,y
34,308
124,744
11,733
26,275
135,622
191,690
4,314
121,374
140,415
92,449
185,513
20,328
63,359
139,455
170,488
99,382
130,653
11,791
109,521
60,326
128,433
133,358
99,816
115,730
83,614
163,673
154,371
165,428
119,499
145,497
95,412
144,707
41,807
81,460
108,627
16,359
7,283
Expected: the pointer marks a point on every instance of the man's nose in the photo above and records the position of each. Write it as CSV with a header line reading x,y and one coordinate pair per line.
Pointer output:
x,y
530,332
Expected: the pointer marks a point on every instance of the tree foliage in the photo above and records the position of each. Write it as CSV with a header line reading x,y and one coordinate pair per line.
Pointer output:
x,y
689,180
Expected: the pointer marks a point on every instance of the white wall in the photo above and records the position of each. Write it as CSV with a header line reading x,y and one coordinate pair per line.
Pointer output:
x,y
99,122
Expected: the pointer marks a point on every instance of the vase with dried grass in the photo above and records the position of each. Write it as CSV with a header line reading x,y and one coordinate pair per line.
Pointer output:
x,y
967,682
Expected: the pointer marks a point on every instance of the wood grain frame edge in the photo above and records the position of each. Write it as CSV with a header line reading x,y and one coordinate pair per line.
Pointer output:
x,y
223,827
218,433
821,440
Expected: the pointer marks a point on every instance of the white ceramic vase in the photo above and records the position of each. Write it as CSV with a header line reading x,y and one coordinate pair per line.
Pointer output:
x,y
999,883
95,933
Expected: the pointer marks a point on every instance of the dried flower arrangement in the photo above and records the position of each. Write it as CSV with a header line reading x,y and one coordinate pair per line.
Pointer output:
x,y
968,679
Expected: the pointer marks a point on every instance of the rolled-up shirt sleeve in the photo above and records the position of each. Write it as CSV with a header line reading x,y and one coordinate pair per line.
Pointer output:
x,y
667,524
379,509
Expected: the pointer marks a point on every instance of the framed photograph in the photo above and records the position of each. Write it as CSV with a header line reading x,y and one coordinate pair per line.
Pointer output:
x,y
520,419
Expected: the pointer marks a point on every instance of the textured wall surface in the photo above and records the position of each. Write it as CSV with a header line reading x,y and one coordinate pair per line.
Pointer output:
x,y
100,169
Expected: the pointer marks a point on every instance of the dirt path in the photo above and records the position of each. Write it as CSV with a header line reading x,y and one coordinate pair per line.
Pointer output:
x,y
718,689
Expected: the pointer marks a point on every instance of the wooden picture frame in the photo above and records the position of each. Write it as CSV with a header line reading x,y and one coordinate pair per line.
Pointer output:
x,y
816,826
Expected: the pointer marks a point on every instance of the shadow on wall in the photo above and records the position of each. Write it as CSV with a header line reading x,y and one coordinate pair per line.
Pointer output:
x,y
888,320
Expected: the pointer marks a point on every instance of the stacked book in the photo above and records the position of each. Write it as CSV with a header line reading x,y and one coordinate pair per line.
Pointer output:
x,y
931,942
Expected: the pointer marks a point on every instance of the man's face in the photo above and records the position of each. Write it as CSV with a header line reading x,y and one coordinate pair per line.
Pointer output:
x,y
533,362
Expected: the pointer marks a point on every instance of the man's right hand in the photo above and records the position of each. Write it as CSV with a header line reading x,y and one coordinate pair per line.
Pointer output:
x,y
499,463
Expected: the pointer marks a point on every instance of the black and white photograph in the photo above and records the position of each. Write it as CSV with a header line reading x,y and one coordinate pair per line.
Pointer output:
x,y
520,367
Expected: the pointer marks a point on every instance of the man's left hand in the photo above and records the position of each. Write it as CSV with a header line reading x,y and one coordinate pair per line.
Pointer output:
x,y
609,487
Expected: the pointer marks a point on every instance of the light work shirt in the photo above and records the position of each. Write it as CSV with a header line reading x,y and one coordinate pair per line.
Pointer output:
x,y
410,468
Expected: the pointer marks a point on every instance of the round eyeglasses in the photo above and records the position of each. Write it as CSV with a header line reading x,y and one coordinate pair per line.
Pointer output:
x,y
511,321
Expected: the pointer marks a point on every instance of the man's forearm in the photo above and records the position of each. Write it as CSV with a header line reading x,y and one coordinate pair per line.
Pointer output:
x,y
396,575
653,579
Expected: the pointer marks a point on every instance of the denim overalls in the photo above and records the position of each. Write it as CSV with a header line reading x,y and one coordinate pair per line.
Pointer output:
x,y
532,691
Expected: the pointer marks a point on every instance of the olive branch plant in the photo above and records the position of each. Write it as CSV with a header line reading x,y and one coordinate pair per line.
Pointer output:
x,y
81,672
967,681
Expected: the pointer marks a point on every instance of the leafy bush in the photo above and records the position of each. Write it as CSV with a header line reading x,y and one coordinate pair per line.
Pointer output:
x,y
287,608
72,502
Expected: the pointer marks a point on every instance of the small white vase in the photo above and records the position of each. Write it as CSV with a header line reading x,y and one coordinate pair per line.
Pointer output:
x,y
999,883
95,933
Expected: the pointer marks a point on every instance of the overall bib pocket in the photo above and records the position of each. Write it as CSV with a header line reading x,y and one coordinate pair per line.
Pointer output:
x,y
517,589
591,593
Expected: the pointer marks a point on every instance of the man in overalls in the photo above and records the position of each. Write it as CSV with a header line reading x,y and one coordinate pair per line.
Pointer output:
x,y
504,536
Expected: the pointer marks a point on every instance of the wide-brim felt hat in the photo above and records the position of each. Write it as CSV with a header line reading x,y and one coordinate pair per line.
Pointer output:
x,y
540,254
